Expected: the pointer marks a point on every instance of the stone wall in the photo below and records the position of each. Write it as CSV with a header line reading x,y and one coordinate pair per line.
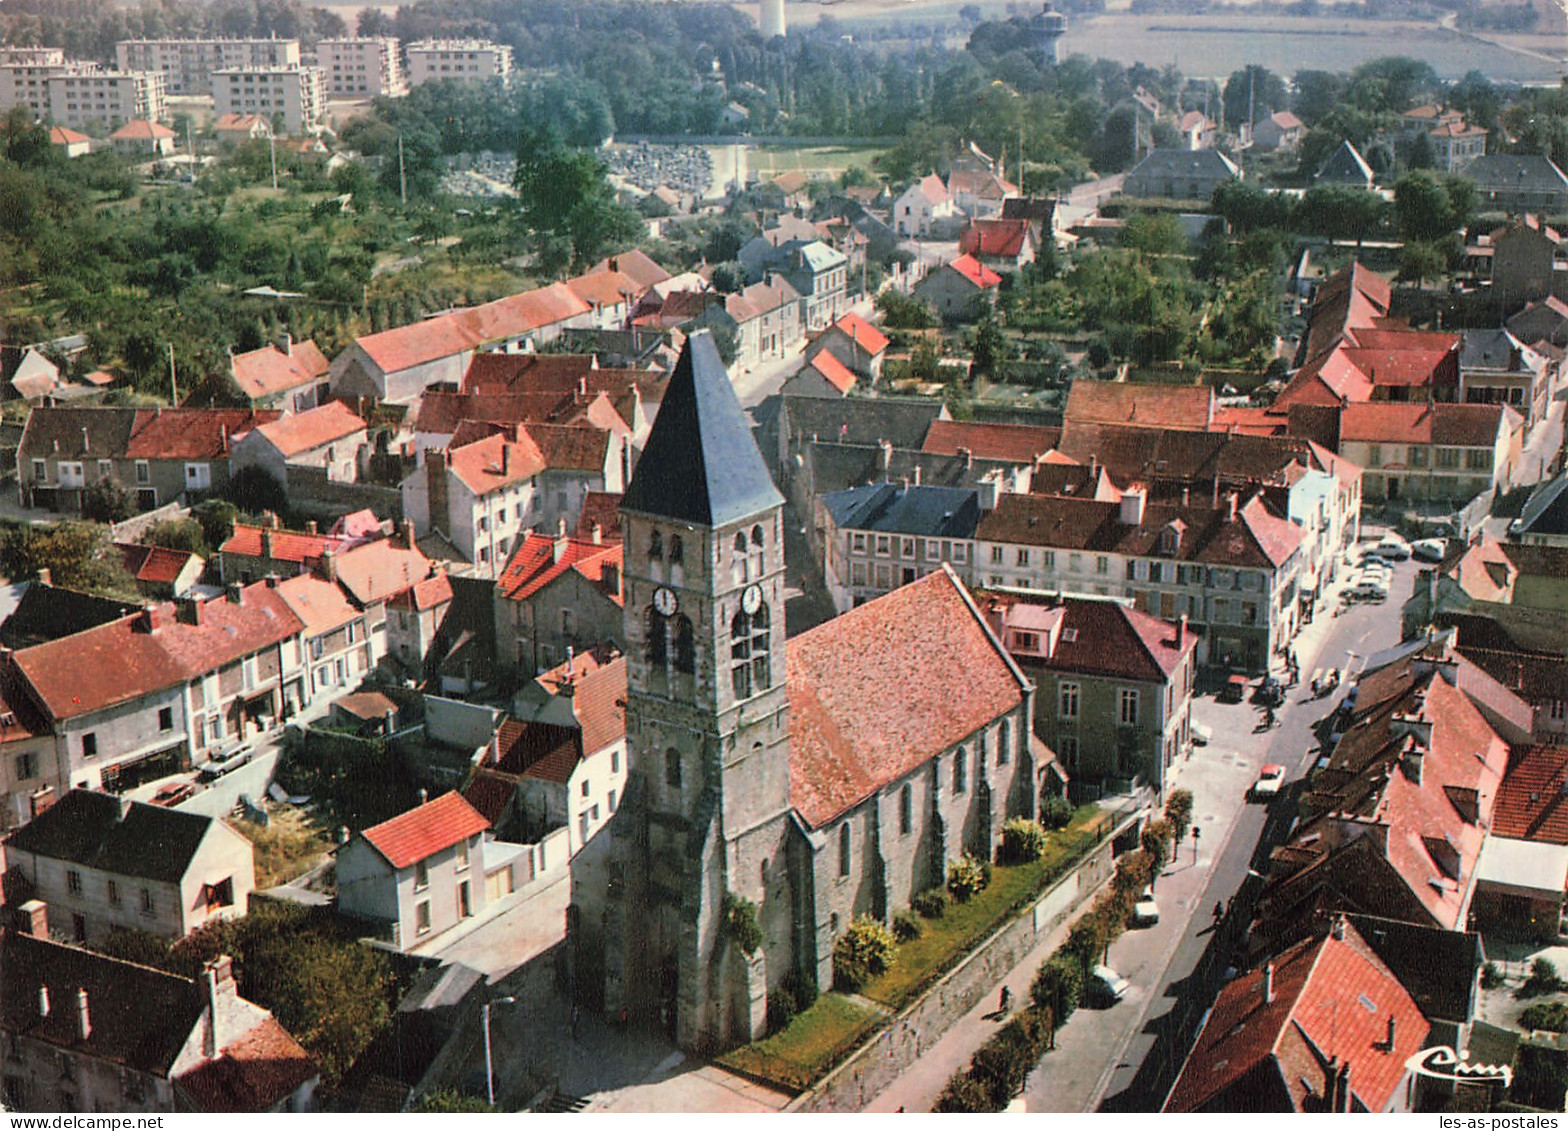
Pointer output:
x,y
888,1053
311,493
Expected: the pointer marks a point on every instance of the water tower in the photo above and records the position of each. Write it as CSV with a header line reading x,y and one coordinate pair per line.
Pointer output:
x,y
1049,27
772,19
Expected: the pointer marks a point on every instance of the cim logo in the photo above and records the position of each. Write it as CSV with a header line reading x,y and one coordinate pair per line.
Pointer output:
x,y
1443,1063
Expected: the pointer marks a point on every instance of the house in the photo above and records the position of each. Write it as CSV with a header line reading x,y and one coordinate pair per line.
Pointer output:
x,y
979,192
766,318
1113,685
36,377
1005,246
1324,1026
69,142
1497,368
166,687
1518,183
1346,167
559,594
335,635
1197,130
820,275
1427,117
1280,132
823,375
1544,520
481,494
1455,145
419,874
1023,444
141,138
159,571
1140,405
237,129
84,1032
1438,452
289,376
881,536
414,619
253,552
1545,320
924,204
1181,174
331,437
1523,866
635,265
1233,568
160,455
1529,263
109,863
961,291
857,344
31,776
565,763
392,580
610,296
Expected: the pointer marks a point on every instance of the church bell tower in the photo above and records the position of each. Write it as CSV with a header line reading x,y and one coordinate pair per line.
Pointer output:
x,y
703,829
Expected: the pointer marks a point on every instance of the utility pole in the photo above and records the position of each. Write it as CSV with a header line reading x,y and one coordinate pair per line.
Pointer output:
x,y
174,386
272,148
1252,74
402,179
190,150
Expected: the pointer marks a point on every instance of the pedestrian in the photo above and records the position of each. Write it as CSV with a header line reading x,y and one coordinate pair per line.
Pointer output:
x,y
1006,1000
1219,912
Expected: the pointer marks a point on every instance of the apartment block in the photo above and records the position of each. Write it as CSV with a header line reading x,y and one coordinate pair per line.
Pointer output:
x,y
188,65
80,98
430,60
292,91
25,74
363,67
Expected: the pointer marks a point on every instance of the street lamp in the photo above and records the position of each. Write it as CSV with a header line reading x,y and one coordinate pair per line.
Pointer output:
x,y
484,1013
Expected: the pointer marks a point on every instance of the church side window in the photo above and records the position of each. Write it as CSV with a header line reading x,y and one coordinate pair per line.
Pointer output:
x,y
658,639
750,672
738,558
685,645
656,546
843,849
672,768
756,536
1004,747
906,809
960,770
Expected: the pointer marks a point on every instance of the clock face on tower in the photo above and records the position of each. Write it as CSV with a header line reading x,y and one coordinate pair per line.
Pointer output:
x,y
664,602
751,600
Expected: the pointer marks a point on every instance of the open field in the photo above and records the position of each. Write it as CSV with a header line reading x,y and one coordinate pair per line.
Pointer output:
x,y
826,159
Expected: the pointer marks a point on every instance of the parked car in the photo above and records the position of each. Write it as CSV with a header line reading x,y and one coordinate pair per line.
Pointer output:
x,y
1429,549
1201,735
1271,779
1392,547
1369,590
1106,986
1146,912
1269,693
173,793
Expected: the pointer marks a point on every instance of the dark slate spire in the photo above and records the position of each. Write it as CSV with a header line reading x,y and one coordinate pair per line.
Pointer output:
x,y
700,464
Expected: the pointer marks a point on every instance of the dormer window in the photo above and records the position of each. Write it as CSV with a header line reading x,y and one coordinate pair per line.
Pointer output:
x,y
1170,538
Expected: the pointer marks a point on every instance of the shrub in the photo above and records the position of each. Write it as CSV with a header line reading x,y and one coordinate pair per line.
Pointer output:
x,y
906,925
1058,986
862,952
107,501
930,904
740,923
1178,811
1543,979
1156,841
1550,1015
1133,871
1055,812
794,994
1022,840
967,876
963,1093
1491,976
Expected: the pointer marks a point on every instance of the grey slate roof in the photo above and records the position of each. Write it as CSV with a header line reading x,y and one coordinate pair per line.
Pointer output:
x,y
1546,511
150,842
1531,172
1437,967
700,464
902,422
935,512
1186,163
834,467
48,613
1491,349
1345,166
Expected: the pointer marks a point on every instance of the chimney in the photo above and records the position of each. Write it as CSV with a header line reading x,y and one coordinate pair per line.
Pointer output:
x,y
1338,928
506,458
310,526
989,490
968,457
1268,984
558,547
1186,496
424,795
1133,500
597,534
286,344
1181,631
266,542
1388,1041
917,475
223,436
269,520
84,1021
45,576
887,453
187,610
390,720
1230,507
408,533
329,564
35,918
235,593
87,444
1412,761
582,386
218,978
43,1001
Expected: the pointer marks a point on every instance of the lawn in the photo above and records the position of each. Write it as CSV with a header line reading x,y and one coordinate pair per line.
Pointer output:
x,y
808,1047
945,941
824,160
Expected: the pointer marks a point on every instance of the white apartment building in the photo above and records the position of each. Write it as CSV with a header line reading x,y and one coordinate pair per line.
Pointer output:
x,y
25,74
188,65
81,98
363,67
293,91
430,60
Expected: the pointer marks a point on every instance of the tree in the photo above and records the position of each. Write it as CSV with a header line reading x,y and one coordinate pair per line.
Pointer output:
x,y
179,534
1154,233
253,490
1317,92
567,204
1420,261
216,517
1253,89
76,554
107,501
1057,987
990,350
728,278
1431,208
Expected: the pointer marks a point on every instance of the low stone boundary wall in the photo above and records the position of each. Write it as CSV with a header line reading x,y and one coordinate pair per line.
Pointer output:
x,y
908,1035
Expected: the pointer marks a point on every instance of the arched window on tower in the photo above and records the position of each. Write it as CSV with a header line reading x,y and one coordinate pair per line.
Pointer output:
x,y
655,546
672,768
843,849
738,558
658,638
685,645
756,536
677,550
758,563
751,671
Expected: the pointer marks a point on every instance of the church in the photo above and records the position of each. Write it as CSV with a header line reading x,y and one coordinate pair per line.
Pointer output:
x,y
821,779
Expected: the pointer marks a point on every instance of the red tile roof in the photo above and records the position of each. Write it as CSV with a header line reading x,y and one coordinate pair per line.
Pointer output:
x,y
1093,637
862,333
59,135
1458,425
1020,443
433,592
404,347
872,692
605,288
139,129
191,433
1000,239
534,564
268,371
1147,406
287,545
976,272
378,571
549,751
1532,802
833,371
494,462
156,564
601,508
423,831
1337,995
254,1073
320,605
305,431
637,265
